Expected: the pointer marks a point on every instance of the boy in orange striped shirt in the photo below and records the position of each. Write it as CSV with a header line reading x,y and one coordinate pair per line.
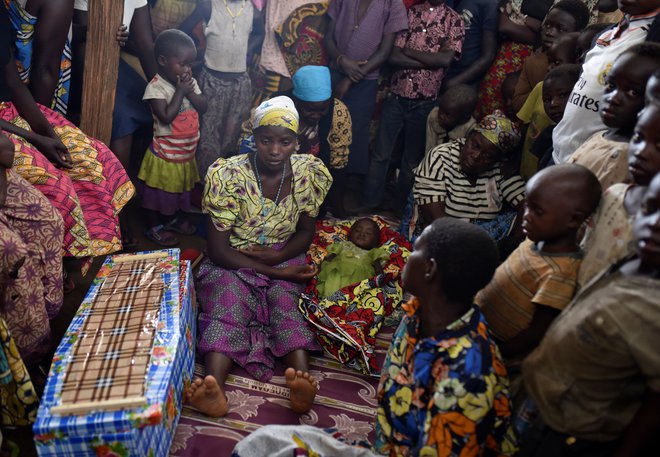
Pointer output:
x,y
533,285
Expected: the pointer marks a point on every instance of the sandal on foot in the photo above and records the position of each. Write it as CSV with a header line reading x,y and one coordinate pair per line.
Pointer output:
x,y
173,226
158,235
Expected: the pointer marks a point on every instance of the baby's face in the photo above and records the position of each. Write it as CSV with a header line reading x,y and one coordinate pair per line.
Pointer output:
x,y
364,234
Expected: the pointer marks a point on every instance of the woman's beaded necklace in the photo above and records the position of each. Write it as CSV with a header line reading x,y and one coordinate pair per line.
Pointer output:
x,y
264,210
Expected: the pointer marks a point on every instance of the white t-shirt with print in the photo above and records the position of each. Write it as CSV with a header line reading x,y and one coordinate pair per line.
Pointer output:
x,y
582,114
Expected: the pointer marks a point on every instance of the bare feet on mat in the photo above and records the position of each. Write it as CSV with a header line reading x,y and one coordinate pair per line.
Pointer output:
x,y
303,388
207,397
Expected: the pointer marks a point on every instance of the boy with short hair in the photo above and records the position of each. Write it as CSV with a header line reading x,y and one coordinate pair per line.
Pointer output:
x,y
543,109
539,278
452,118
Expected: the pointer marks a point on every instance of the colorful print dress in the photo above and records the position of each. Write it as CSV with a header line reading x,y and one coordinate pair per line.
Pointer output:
x,y
446,395
245,315
24,25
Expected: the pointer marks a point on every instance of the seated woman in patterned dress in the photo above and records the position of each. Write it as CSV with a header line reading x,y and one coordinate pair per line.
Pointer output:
x,y
325,127
79,175
465,179
31,232
443,388
262,209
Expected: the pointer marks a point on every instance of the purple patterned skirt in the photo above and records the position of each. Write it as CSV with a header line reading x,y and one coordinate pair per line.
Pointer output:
x,y
250,318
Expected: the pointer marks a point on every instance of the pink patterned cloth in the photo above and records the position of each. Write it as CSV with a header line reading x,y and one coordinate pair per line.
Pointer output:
x,y
31,232
430,29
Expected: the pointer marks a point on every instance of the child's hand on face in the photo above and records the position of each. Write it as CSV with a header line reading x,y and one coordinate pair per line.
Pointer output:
x,y
122,35
185,84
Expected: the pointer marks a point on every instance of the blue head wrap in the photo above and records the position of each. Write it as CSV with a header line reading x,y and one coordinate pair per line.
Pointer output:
x,y
312,84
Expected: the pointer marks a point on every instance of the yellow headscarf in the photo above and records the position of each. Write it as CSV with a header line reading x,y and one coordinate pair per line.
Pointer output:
x,y
276,112
499,130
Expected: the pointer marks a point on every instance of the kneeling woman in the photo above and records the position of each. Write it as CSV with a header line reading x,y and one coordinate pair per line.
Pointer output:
x,y
262,208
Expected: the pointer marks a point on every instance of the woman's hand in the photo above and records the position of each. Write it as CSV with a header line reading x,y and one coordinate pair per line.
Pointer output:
x,y
297,273
122,35
54,150
263,254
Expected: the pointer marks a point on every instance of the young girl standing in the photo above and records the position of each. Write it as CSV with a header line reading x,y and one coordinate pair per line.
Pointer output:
x,y
169,170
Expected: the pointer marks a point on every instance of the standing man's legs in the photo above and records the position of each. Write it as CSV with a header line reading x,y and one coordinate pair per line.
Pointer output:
x,y
413,148
392,121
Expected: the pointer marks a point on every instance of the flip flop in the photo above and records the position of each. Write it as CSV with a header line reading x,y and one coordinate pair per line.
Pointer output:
x,y
172,226
155,234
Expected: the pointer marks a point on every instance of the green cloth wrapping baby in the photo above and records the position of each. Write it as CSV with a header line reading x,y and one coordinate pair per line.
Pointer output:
x,y
354,260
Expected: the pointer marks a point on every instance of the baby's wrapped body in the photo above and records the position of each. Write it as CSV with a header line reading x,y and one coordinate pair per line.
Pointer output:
x,y
347,264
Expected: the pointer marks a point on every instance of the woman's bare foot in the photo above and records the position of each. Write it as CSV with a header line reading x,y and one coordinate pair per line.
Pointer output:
x,y
207,397
303,388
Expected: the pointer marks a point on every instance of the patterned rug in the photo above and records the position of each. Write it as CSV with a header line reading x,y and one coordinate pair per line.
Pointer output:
x,y
346,401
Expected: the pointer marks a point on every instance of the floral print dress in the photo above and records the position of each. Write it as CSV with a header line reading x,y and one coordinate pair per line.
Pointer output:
x,y
446,395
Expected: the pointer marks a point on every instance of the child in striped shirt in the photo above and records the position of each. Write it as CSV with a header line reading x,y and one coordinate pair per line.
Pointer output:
x,y
168,170
539,278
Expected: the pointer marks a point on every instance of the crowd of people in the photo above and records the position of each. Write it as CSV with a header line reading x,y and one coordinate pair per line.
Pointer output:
x,y
514,142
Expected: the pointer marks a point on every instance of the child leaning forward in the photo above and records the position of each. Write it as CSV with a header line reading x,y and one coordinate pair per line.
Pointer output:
x,y
539,278
169,170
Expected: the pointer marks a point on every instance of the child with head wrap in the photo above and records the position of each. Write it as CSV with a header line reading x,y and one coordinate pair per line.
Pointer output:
x,y
262,209
463,179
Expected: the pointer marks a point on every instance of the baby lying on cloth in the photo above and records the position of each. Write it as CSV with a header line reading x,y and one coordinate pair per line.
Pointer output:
x,y
354,260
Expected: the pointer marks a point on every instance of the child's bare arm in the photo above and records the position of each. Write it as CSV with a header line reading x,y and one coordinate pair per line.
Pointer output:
x,y
378,267
198,102
167,112
524,342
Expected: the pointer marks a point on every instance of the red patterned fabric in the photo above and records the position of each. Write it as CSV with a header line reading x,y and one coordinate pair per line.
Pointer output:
x,y
88,197
510,58
348,321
